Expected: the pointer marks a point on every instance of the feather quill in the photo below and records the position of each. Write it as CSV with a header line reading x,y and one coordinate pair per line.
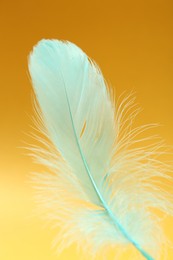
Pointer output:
x,y
100,189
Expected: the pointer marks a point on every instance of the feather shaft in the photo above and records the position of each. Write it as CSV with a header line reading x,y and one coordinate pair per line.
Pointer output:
x,y
107,209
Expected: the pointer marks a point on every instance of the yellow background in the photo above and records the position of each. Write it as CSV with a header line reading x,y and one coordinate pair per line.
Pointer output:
x,y
130,40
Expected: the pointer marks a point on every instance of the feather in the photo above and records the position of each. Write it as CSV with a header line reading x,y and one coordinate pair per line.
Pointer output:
x,y
103,185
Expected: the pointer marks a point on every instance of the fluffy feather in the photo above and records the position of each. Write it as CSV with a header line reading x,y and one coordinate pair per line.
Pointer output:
x,y
102,182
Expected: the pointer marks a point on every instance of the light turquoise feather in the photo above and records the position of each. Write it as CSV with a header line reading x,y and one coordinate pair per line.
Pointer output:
x,y
107,187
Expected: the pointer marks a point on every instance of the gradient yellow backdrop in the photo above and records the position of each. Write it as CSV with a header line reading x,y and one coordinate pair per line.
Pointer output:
x,y
130,40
